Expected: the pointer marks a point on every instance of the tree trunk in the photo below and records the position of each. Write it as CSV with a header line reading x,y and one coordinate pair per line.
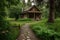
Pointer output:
x,y
52,11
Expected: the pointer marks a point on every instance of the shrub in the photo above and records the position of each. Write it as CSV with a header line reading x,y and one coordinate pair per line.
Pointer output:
x,y
44,33
47,31
7,31
13,33
25,19
4,28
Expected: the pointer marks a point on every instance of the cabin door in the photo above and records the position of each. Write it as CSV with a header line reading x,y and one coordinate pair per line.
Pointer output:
x,y
37,16
31,15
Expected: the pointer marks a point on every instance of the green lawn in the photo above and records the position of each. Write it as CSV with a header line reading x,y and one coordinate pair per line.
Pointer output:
x,y
20,21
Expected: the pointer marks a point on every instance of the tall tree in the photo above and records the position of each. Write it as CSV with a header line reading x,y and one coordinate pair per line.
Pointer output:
x,y
39,2
4,25
57,8
52,11
6,3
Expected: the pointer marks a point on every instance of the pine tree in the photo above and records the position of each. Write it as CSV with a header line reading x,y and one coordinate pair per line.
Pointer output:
x,y
52,11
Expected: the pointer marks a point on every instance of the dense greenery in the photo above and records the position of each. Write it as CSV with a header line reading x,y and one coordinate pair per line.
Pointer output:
x,y
4,28
57,8
14,13
5,31
47,31
13,32
9,29
26,19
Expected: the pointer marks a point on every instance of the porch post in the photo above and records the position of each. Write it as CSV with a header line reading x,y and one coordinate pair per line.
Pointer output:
x,y
34,15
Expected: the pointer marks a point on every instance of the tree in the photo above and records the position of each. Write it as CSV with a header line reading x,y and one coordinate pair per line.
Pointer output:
x,y
39,2
15,12
52,11
57,8
6,3
4,25
4,28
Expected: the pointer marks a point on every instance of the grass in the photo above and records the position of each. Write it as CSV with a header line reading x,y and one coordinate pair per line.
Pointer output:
x,y
13,29
47,31
53,26
20,21
41,28
13,33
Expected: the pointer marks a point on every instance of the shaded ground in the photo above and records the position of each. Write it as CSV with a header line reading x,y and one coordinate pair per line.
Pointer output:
x,y
26,33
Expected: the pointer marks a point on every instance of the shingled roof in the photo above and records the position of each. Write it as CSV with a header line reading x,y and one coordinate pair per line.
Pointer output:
x,y
30,8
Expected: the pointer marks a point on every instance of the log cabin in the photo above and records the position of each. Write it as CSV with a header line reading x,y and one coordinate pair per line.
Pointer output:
x,y
33,12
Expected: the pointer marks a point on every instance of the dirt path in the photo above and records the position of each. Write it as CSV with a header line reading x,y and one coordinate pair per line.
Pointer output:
x,y
26,33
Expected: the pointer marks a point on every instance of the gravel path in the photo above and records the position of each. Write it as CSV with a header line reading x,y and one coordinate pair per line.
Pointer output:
x,y
26,33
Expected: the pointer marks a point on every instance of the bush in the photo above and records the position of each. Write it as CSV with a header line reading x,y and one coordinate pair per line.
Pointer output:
x,y
47,31
14,12
13,33
7,31
25,19
4,28
44,33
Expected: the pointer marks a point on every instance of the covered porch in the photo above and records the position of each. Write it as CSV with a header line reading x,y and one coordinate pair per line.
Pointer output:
x,y
33,13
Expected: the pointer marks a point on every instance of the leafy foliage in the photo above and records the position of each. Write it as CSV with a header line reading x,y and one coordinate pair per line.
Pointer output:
x,y
15,12
39,2
44,33
26,19
47,31
4,28
4,25
57,6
